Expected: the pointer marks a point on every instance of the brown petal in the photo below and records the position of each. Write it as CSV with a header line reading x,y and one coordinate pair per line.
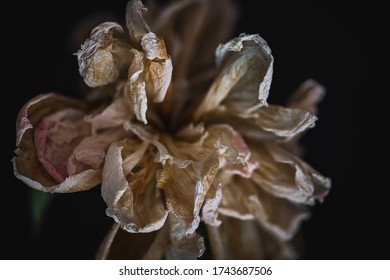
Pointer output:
x,y
185,187
284,123
284,175
235,155
102,56
244,200
91,151
244,240
27,167
183,246
159,72
129,188
116,114
244,79
136,91
149,75
266,123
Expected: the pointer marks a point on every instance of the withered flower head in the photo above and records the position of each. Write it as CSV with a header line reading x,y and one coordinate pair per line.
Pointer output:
x,y
182,137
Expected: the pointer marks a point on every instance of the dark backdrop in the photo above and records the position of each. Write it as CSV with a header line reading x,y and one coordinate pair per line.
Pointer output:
x,y
319,40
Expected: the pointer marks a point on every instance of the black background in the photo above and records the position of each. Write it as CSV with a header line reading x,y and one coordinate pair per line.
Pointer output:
x,y
320,40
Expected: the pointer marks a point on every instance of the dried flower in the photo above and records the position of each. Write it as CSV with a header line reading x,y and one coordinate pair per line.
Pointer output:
x,y
179,143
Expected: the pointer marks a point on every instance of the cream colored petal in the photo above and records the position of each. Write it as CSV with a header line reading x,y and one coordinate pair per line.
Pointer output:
x,y
244,79
266,123
159,67
242,199
211,203
101,57
183,246
236,239
284,175
129,188
235,154
91,151
284,123
306,97
136,88
185,184
116,114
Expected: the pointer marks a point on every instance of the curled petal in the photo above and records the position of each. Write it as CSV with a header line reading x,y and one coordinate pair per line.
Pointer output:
x,y
136,89
185,184
111,116
235,154
101,57
266,123
48,128
244,79
91,151
306,97
183,246
159,73
149,75
284,123
242,199
284,175
129,188
211,204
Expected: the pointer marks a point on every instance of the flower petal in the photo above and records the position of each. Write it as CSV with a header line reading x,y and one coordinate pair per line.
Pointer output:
x,y
131,195
91,151
28,167
306,97
159,72
266,123
183,246
101,57
185,184
242,199
211,203
113,115
284,175
235,155
136,88
244,79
